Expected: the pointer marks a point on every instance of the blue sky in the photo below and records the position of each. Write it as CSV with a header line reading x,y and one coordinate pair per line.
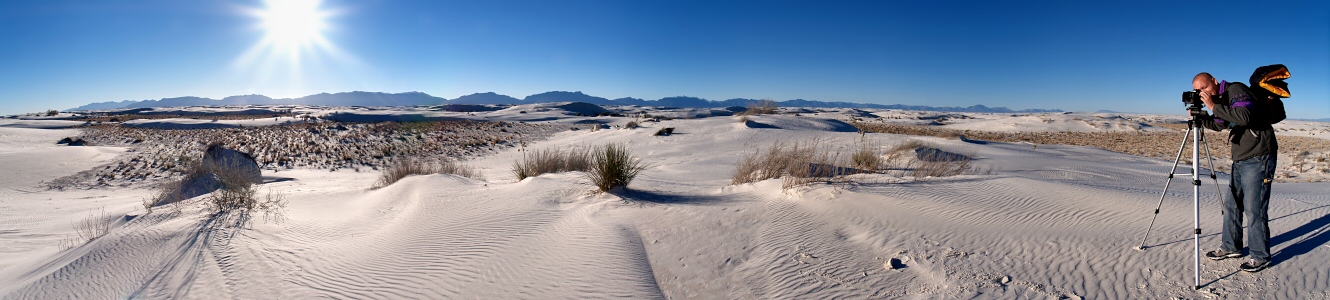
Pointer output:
x,y
1070,55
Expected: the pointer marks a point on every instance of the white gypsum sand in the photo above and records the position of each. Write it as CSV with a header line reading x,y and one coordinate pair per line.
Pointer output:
x,y
1055,221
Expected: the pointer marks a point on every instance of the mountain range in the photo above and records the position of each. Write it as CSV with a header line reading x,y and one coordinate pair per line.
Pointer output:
x,y
359,98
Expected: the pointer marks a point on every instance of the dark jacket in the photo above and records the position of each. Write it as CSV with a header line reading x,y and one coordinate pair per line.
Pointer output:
x,y
1248,120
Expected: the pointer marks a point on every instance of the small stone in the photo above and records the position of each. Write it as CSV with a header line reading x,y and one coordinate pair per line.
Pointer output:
x,y
1006,279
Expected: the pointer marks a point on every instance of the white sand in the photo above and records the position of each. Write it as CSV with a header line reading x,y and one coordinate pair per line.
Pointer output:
x,y
1056,221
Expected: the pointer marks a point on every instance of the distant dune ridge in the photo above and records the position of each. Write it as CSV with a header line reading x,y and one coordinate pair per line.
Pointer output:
x,y
359,98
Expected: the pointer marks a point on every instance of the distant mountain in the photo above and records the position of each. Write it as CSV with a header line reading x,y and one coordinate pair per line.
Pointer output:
x,y
370,99
484,98
105,105
178,101
249,99
359,98
558,96
631,101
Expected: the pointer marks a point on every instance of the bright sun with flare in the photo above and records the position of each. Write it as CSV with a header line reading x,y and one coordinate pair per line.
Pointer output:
x,y
294,44
293,24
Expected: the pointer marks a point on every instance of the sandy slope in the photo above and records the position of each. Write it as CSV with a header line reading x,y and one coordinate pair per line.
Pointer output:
x,y
1056,222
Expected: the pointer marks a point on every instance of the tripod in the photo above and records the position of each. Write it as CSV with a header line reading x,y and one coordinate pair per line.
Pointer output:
x,y
1197,135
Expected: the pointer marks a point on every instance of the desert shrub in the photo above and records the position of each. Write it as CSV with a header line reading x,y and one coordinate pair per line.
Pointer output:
x,y
951,135
797,164
743,118
665,131
764,107
52,112
930,161
613,166
542,161
941,168
866,158
95,226
408,167
237,196
630,125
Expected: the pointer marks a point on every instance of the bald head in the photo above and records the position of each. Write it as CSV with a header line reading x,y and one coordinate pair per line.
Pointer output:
x,y
1205,83
1203,76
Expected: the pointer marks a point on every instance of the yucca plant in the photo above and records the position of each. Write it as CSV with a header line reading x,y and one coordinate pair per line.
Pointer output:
x,y
613,166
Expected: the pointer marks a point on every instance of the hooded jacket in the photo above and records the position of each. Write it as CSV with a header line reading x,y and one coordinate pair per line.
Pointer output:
x,y
1248,120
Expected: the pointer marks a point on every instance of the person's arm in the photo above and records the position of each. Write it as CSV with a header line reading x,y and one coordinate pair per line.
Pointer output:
x,y
1209,122
1238,112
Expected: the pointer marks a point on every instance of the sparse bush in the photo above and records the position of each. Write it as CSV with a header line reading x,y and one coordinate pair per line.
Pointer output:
x,y
52,112
951,135
764,107
95,226
630,125
941,168
614,166
665,131
798,164
543,161
867,158
408,167
236,197
743,118
933,162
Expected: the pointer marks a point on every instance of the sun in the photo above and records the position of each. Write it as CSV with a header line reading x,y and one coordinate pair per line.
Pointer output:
x,y
293,24
295,42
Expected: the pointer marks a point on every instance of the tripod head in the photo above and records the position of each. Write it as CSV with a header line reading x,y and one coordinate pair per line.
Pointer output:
x,y
1197,112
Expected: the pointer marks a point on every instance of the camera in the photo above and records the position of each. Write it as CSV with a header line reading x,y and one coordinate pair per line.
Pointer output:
x,y
1194,103
1193,98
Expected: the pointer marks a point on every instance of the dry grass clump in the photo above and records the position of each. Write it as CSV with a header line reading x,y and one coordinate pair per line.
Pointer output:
x,y
805,163
544,161
630,125
238,198
234,195
408,167
764,107
867,158
613,166
920,159
934,165
798,164
93,227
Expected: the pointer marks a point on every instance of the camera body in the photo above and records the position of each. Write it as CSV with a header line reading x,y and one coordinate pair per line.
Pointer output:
x,y
1194,103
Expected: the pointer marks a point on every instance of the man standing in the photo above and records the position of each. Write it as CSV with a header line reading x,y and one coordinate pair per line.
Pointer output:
x,y
1248,120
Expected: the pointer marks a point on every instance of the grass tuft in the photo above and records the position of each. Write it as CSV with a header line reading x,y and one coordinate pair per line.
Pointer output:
x,y
542,161
409,167
764,107
614,166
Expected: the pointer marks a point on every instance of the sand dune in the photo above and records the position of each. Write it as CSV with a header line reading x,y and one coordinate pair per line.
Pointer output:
x,y
1054,222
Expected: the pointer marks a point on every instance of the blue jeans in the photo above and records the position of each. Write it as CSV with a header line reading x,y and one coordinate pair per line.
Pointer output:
x,y
1249,193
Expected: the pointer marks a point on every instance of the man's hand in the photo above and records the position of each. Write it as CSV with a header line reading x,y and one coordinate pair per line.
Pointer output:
x,y
1209,100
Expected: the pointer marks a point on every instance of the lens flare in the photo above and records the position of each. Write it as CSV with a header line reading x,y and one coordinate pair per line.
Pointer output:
x,y
293,24
293,47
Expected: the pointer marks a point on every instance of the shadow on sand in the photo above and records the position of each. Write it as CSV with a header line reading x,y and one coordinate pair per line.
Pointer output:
x,y
1317,233
658,197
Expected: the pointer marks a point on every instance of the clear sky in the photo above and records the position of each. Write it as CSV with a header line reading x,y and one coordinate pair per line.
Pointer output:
x,y
1072,55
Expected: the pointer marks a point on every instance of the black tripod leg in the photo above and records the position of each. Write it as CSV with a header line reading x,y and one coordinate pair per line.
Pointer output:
x,y
1172,171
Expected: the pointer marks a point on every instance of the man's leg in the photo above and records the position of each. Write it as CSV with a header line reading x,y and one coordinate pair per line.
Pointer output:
x,y
1257,200
1232,234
